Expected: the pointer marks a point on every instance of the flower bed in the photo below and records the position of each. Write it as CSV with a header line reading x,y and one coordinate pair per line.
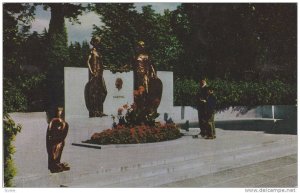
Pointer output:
x,y
138,134
137,125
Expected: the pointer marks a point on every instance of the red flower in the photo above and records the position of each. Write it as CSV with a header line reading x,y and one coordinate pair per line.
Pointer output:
x,y
141,131
95,136
141,90
138,134
125,106
119,127
120,110
132,131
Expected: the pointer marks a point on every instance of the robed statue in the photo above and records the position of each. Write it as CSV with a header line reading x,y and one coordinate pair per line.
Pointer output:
x,y
145,79
95,90
55,141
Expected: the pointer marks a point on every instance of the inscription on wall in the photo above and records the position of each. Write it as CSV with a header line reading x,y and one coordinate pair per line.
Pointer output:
x,y
119,91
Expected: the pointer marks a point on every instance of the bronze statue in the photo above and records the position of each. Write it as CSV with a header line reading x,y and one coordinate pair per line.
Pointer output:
x,y
55,141
145,76
95,90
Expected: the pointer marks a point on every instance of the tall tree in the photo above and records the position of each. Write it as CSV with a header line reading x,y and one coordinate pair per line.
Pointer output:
x,y
118,35
85,51
17,18
16,22
230,40
167,47
57,51
33,50
155,29
124,27
276,32
75,53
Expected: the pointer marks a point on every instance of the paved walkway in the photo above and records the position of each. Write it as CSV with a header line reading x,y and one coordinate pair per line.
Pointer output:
x,y
153,164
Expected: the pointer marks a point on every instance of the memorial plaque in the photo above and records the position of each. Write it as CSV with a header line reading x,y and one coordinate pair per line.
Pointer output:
x,y
119,91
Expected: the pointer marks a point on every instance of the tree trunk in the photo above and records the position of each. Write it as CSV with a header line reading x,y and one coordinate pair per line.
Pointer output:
x,y
57,58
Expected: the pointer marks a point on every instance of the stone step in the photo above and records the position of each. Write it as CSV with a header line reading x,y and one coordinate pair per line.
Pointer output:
x,y
260,178
168,150
208,168
273,170
197,165
289,181
194,150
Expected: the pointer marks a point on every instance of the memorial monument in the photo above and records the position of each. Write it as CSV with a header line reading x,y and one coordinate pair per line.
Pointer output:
x,y
148,87
95,90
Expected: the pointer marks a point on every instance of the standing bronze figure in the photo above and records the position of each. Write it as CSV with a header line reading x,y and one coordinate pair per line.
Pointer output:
x,y
55,141
95,90
145,77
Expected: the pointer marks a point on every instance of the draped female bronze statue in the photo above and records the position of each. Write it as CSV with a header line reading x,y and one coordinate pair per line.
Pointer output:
x,y
145,76
55,141
95,90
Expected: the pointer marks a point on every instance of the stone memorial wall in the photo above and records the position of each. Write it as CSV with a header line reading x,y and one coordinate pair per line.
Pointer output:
x,y
76,79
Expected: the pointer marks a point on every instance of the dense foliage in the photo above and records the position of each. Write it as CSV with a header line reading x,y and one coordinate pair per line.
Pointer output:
x,y
78,54
10,130
237,93
124,27
13,38
237,41
136,134
24,93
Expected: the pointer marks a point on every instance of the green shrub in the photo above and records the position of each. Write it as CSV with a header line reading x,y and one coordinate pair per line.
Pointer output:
x,y
10,130
230,93
184,92
137,134
33,88
13,98
24,93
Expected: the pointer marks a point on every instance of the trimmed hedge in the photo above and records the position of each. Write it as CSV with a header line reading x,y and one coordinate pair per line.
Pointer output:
x,y
230,93
138,134
10,130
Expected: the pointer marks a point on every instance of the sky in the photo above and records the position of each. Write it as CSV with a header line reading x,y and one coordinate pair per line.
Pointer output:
x,y
83,31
